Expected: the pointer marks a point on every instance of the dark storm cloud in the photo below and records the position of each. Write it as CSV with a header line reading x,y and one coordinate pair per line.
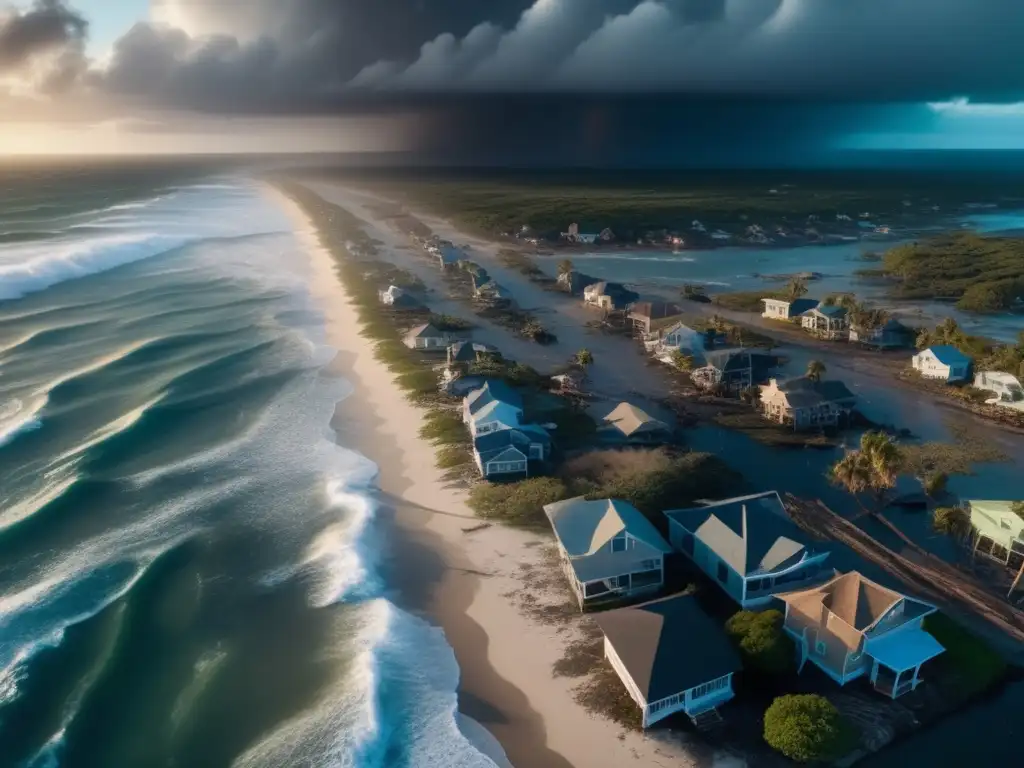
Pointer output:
x,y
291,55
48,26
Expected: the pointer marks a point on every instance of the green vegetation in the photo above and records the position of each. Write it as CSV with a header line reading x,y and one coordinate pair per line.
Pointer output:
x,y
584,358
450,323
519,503
761,641
651,480
951,521
524,264
807,728
977,665
634,203
745,301
1017,508
983,274
680,360
444,427
870,469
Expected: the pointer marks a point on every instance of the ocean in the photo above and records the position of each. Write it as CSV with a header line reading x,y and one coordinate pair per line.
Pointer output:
x,y
187,549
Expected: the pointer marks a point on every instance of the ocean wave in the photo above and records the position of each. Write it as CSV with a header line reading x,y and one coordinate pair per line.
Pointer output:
x,y
340,553
65,261
17,417
56,485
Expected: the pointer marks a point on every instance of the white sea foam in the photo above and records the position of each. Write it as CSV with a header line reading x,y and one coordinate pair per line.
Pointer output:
x,y
55,485
17,416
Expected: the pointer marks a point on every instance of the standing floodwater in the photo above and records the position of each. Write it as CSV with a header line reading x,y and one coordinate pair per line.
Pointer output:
x,y
186,569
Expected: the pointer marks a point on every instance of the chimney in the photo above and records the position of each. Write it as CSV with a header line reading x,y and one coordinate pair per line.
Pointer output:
x,y
743,522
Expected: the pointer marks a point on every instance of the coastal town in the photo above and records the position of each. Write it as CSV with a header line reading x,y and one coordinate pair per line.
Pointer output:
x,y
769,626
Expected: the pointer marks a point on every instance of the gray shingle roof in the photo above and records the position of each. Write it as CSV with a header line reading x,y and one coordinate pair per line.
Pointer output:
x,y
803,392
750,533
668,646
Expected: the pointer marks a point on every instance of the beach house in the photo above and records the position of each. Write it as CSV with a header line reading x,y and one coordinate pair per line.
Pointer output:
x,y
645,313
494,389
734,369
850,627
1005,388
609,296
827,321
943,362
629,425
469,352
493,292
748,547
493,416
889,335
997,531
805,404
681,337
782,309
607,548
502,455
426,336
671,657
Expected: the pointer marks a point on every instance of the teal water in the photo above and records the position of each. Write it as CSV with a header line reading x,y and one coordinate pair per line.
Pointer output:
x,y
187,554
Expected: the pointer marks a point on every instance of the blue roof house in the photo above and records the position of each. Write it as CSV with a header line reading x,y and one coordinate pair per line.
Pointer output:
x,y
944,362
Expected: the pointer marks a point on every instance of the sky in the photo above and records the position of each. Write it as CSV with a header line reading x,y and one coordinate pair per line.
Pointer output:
x,y
588,81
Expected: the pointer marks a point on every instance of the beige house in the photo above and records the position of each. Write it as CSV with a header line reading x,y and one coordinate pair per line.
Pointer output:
x,y
852,627
780,309
608,549
804,404
627,424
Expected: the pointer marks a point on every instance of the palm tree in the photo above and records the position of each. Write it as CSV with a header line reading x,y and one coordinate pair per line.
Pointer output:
x,y
583,358
872,469
951,521
796,288
815,370
565,266
717,323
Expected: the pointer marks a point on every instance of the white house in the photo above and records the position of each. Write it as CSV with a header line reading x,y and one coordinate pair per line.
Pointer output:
x,y
780,309
586,238
671,657
942,362
607,548
426,336
851,627
827,321
748,546
1005,388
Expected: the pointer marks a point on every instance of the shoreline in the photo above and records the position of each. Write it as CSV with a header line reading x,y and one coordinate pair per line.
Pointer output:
x,y
461,580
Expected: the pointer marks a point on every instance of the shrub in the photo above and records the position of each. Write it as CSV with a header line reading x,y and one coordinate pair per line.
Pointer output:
x,y
806,728
651,480
520,502
761,641
444,427
452,456
450,323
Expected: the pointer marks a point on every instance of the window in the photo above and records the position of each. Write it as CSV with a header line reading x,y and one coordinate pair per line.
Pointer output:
x,y
753,585
723,573
619,543
820,648
688,543
650,565
619,582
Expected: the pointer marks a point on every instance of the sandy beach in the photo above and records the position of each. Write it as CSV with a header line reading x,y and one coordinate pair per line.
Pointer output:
x,y
462,580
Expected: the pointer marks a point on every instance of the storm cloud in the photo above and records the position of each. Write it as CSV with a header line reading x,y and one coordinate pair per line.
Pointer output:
x,y
48,31
313,54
